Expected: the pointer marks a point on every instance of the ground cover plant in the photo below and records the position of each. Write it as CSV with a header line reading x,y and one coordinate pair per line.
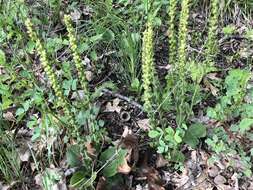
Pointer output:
x,y
134,95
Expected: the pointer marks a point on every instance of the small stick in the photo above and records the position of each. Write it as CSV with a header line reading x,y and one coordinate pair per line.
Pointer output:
x,y
132,102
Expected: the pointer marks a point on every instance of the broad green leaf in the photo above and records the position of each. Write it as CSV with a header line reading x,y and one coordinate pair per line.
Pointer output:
x,y
245,125
153,134
20,111
198,130
177,137
249,34
169,131
2,57
160,149
50,178
177,156
73,156
193,134
169,136
236,83
162,143
78,179
117,157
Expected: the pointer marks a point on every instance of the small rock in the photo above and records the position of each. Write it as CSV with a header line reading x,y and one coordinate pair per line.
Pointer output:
x,y
89,75
219,180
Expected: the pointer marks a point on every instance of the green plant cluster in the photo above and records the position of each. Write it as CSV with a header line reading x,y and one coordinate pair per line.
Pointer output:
x,y
85,117
117,41
236,103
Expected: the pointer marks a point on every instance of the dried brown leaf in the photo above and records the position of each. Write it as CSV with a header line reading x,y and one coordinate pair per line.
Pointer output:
x,y
89,75
90,149
144,124
114,106
160,161
75,15
101,185
9,116
124,168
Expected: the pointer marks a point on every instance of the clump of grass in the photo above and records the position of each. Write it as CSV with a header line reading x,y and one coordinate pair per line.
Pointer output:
x,y
10,168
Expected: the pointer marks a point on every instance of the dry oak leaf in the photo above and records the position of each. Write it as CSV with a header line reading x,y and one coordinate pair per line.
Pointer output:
x,y
90,150
9,116
160,161
144,124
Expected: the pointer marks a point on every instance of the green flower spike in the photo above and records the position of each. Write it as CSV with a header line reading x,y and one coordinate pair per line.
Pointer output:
x,y
183,23
76,56
48,69
147,67
172,32
211,45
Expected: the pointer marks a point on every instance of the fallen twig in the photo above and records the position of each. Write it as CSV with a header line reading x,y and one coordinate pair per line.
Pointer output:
x,y
132,102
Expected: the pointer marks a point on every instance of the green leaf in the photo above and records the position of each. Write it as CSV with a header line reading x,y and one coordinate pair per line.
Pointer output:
x,y
236,83
229,30
20,111
160,149
2,57
198,130
193,134
117,157
77,179
249,34
177,156
245,125
177,137
108,35
169,131
50,178
73,156
169,134
153,134
135,84
96,38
